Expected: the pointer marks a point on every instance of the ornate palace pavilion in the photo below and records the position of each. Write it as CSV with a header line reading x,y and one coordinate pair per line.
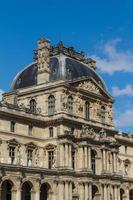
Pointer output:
x,y
57,136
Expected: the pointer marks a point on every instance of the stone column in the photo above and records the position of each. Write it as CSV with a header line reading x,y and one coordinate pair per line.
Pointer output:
x,y
105,192
66,191
85,158
89,158
90,191
80,158
66,155
61,155
104,160
81,191
16,192
116,160
118,193
86,191
108,192
108,164
127,194
55,191
37,190
70,156
115,193
61,190
70,191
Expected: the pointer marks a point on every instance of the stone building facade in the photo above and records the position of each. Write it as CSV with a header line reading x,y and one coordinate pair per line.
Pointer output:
x,y
57,137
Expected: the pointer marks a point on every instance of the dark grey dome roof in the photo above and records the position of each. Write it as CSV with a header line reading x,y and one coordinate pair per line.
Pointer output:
x,y
61,68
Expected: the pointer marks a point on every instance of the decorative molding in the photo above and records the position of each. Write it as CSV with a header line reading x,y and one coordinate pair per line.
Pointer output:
x,y
89,86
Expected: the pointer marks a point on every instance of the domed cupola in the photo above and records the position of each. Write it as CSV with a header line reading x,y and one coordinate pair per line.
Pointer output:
x,y
56,63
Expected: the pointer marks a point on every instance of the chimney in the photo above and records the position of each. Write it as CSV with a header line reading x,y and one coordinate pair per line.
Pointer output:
x,y
42,58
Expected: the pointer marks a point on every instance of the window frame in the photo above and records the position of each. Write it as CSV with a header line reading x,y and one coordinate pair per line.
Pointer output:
x,y
33,105
87,110
50,158
70,105
12,126
51,105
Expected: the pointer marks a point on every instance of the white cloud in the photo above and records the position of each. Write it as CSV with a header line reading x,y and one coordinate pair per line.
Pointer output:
x,y
114,60
127,91
1,92
125,119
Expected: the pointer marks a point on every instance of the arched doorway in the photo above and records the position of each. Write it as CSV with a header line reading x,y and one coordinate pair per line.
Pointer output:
x,y
131,195
6,190
26,191
122,194
44,191
95,193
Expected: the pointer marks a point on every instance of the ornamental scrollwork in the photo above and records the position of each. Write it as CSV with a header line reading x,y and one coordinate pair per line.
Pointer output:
x,y
89,86
79,104
64,102
87,131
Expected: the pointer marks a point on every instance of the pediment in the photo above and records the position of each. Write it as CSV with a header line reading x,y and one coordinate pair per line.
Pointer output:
x,y
31,145
13,142
50,146
91,86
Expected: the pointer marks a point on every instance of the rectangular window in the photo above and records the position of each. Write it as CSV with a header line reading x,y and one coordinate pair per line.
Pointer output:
x,y
12,126
30,130
29,157
50,159
51,132
12,154
73,159
126,149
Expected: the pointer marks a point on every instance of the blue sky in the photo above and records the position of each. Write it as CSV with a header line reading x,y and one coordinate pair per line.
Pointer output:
x,y
102,29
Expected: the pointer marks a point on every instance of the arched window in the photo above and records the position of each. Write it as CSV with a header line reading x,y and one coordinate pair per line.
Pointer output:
x,y
122,194
26,191
44,191
51,105
87,110
6,190
94,192
131,194
70,105
33,105
93,161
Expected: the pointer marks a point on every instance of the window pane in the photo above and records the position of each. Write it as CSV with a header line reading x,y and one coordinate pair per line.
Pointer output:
x,y
12,154
12,127
70,105
51,105
50,159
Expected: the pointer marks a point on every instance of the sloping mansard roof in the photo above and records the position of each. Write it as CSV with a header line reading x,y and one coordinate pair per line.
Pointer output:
x,y
64,65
